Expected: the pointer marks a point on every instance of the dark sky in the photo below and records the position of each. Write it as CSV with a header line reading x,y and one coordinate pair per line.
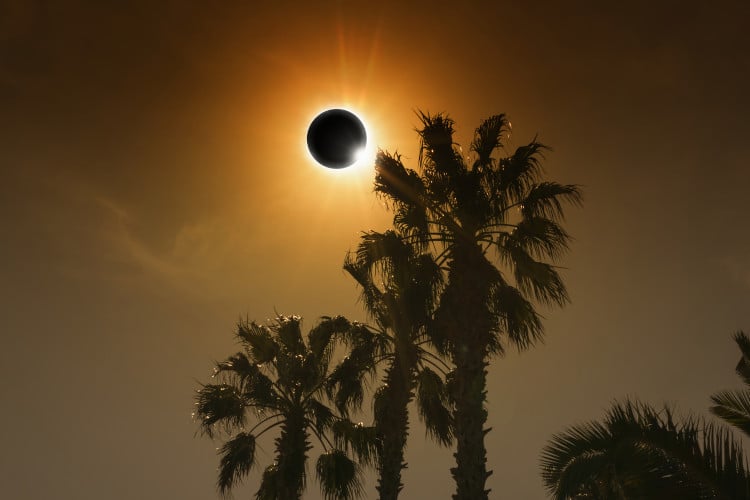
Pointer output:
x,y
154,187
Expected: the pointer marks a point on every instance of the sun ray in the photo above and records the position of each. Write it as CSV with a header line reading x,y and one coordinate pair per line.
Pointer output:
x,y
371,59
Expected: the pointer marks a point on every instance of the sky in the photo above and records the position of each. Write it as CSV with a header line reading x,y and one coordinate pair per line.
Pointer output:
x,y
154,188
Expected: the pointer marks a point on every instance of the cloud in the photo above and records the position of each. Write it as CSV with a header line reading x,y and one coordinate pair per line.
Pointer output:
x,y
199,261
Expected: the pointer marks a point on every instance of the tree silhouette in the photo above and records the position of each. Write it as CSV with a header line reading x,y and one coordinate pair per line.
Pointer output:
x,y
493,213
279,379
734,406
400,308
640,453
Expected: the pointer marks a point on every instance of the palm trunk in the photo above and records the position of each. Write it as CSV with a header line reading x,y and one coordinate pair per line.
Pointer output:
x,y
469,394
291,456
393,429
469,324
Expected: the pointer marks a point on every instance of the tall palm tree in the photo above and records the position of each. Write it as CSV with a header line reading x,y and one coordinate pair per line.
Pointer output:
x,y
638,452
496,212
400,308
734,406
278,380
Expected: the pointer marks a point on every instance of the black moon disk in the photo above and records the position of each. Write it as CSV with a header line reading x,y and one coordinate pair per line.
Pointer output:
x,y
335,137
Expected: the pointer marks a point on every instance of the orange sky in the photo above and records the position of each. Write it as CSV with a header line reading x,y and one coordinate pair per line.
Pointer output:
x,y
155,187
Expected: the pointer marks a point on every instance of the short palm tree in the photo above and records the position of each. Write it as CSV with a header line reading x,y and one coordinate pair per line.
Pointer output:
x,y
638,452
278,380
493,213
734,406
400,307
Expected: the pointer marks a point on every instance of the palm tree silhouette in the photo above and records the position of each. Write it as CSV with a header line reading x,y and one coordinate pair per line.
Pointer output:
x,y
495,212
639,452
280,380
400,308
734,406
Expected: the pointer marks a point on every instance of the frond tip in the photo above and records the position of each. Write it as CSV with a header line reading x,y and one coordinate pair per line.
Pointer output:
x,y
237,458
339,476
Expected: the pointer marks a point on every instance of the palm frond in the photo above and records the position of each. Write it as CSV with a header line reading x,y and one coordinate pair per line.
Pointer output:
x,y
743,367
540,237
395,183
219,404
261,393
383,253
371,295
269,484
734,408
381,403
320,414
436,150
516,316
238,368
539,280
346,384
258,340
237,458
432,404
412,220
645,453
421,291
488,138
339,476
321,336
725,463
518,172
288,330
545,199
360,439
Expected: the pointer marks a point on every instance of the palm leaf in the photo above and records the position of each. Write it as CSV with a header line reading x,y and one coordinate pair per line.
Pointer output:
x,y
269,484
436,150
237,458
321,415
412,220
371,295
261,393
386,252
518,172
540,237
516,316
321,335
258,340
734,408
644,453
535,278
432,404
545,199
396,183
219,403
346,383
487,138
361,439
288,330
237,367
743,367
338,475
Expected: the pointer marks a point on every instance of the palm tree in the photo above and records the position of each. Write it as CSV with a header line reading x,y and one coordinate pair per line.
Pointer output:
x,y
279,380
734,406
496,212
400,309
638,452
